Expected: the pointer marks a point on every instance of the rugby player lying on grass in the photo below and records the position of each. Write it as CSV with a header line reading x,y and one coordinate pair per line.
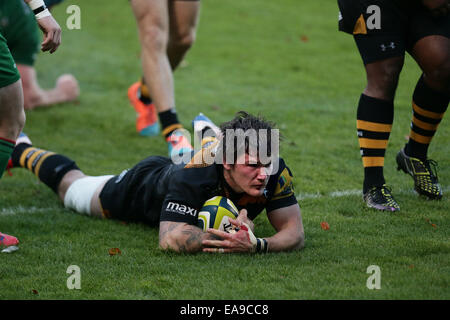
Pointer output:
x,y
159,192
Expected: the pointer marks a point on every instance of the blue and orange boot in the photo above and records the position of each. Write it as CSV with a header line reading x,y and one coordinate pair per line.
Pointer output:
x,y
178,143
146,115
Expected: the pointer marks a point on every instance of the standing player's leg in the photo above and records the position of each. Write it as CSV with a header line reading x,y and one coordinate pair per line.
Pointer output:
x,y
375,115
378,29
152,19
12,115
157,90
184,16
430,101
183,21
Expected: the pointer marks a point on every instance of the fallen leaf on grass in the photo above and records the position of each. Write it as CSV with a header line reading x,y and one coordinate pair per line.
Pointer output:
x,y
430,223
324,225
304,38
114,251
34,291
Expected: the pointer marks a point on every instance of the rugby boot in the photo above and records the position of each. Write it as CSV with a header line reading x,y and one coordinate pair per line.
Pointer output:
x,y
146,115
205,131
381,198
425,180
178,143
7,240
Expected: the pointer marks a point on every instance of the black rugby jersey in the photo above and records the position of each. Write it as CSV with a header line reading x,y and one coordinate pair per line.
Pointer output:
x,y
158,190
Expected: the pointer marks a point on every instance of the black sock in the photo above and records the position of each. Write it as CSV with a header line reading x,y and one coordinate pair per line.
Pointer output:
x,y
169,122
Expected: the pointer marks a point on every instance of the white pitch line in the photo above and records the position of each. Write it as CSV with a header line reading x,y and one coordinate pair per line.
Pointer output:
x,y
354,192
300,197
21,209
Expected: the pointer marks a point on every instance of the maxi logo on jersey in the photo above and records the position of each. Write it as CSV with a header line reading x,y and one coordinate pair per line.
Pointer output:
x,y
181,209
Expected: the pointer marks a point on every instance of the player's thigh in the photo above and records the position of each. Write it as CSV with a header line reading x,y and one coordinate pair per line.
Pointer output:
x,y
184,17
432,53
429,44
383,58
151,14
12,116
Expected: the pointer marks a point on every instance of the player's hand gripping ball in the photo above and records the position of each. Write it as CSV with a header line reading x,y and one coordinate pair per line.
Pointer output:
x,y
215,214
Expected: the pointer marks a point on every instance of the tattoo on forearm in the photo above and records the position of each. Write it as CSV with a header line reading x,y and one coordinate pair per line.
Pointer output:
x,y
185,238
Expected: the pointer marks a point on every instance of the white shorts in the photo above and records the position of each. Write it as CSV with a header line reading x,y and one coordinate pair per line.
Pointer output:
x,y
79,195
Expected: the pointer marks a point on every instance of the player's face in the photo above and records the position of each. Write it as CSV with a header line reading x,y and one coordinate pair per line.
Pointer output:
x,y
247,175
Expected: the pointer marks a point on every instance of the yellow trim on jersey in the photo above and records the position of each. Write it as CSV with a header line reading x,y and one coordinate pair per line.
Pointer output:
x,y
204,157
287,189
360,26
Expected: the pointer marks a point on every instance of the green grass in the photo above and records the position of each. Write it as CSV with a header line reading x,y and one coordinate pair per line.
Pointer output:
x,y
248,55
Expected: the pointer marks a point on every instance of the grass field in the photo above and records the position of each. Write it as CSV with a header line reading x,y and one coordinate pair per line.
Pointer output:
x,y
284,59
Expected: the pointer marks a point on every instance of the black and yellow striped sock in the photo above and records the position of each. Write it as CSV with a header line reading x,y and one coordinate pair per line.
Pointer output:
x,y
169,122
429,107
374,124
6,149
48,166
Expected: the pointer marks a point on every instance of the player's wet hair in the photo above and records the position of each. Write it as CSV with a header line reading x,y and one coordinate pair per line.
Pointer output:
x,y
242,124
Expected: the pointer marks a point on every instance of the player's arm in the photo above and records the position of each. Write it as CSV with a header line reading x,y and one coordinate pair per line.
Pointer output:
x,y
287,222
181,237
48,25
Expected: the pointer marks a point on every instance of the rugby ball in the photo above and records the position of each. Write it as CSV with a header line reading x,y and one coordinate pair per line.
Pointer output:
x,y
215,214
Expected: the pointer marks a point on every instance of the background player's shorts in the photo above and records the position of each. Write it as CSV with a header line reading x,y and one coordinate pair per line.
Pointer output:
x,y
387,28
19,27
8,71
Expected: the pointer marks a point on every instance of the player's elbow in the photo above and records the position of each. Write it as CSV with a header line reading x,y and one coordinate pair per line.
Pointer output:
x,y
168,243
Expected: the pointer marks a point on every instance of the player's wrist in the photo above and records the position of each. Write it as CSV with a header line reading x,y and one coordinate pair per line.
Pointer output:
x,y
262,246
259,245
39,9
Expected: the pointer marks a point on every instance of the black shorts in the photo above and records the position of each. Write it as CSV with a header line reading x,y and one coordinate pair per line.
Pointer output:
x,y
134,195
387,28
